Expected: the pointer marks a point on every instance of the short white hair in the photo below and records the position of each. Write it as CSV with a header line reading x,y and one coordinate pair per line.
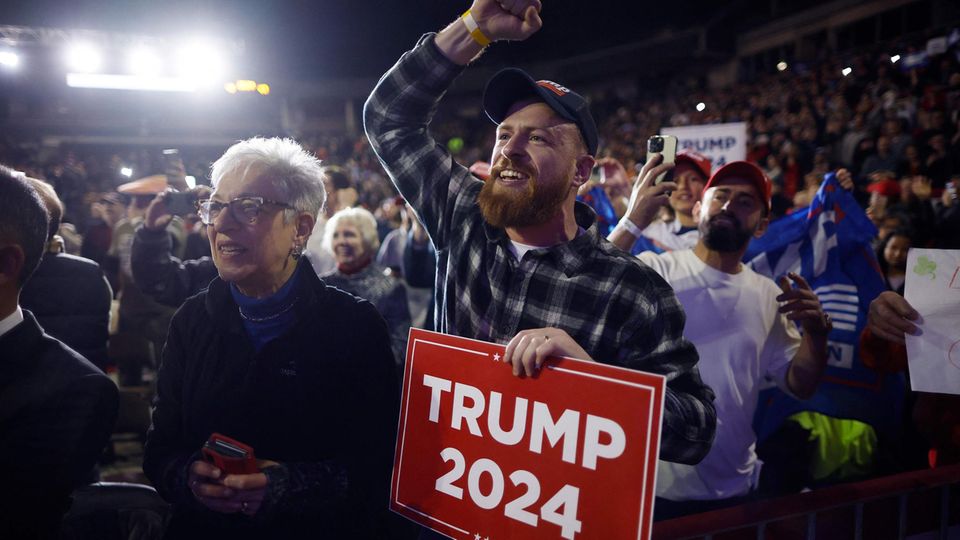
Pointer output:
x,y
360,218
297,173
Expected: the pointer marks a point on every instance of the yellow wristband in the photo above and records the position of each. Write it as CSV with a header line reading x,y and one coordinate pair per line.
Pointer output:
x,y
474,29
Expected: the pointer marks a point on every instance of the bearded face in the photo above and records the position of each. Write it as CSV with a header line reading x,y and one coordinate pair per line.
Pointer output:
x,y
724,233
515,197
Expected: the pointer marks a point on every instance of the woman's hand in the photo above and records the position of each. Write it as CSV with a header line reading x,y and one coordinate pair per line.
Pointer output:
x,y
234,493
206,483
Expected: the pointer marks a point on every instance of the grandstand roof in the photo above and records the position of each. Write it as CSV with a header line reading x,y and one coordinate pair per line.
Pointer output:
x,y
299,39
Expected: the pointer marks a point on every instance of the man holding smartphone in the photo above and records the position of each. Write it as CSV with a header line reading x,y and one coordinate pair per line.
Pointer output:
x,y
519,260
681,191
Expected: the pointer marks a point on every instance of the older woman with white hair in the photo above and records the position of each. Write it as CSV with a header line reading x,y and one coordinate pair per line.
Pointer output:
x,y
275,359
351,236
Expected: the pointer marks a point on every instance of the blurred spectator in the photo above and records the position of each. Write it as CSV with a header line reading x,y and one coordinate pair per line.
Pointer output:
x,y
105,213
340,194
140,314
893,131
882,160
892,256
58,409
157,273
351,236
390,254
681,191
69,295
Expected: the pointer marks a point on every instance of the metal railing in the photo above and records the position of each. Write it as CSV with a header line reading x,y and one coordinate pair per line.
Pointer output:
x,y
920,502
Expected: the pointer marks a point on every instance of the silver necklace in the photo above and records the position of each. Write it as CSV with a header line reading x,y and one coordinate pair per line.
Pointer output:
x,y
250,318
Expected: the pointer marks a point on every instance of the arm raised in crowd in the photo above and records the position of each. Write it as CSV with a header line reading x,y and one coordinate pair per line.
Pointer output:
x,y
646,200
156,271
402,105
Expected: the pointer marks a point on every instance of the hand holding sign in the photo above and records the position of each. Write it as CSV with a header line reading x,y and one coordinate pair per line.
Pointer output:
x,y
529,349
570,454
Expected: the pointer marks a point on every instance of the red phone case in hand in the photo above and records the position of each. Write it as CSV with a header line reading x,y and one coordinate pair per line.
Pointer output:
x,y
229,455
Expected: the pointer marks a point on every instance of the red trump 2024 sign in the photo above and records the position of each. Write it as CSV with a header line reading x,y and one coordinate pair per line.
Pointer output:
x,y
484,455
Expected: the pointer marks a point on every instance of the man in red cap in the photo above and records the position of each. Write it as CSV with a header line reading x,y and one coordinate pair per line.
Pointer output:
x,y
743,324
681,192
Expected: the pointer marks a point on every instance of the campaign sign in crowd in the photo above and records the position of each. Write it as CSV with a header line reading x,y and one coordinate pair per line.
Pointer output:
x,y
485,454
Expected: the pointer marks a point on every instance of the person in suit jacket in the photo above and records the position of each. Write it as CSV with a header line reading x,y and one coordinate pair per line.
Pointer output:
x,y
56,409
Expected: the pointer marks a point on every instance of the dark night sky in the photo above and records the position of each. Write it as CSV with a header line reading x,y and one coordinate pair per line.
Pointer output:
x,y
319,39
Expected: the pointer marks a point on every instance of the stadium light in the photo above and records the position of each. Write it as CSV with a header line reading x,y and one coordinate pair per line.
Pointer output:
x,y
144,61
126,171
846,71
130,82
701,106
894,59
83,57
781,66
263,89
201,61
9,59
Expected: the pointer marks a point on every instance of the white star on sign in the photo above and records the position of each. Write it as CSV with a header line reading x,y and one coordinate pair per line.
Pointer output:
x,y
496,358
476,536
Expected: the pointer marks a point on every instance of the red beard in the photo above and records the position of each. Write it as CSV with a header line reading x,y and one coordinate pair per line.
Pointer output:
x,y
535,204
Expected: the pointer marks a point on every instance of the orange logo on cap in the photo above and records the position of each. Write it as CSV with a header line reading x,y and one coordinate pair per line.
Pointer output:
x,y
557,89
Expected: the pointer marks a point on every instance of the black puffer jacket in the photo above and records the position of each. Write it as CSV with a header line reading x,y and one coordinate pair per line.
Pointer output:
x,y
70,297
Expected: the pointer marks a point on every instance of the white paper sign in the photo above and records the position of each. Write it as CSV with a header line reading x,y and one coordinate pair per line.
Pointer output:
x,y
933,289
722,143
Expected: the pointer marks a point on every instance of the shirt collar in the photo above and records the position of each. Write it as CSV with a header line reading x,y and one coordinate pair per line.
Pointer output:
x,y
10,321
571,256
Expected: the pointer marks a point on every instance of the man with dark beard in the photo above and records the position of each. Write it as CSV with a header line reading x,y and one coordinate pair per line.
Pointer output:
x,y
519,260
740,321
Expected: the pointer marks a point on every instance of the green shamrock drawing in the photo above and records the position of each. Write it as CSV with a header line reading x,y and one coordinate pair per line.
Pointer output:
x,y
925,267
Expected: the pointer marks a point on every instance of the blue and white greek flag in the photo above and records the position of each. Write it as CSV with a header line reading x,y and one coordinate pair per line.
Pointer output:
x,y
829,245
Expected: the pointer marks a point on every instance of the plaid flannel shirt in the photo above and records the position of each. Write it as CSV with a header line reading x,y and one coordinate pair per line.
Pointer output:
x,y
619,310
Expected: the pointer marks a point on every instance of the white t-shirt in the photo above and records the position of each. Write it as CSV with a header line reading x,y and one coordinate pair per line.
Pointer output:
x,y
667,236
733,321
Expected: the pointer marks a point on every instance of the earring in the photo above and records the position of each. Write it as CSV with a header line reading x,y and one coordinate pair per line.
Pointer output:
x,y
296,251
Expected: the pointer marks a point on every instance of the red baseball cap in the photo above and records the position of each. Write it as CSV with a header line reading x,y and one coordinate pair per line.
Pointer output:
x,y
743,170
697,160
890,188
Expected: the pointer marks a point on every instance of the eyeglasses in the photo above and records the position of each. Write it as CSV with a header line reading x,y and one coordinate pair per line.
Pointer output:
x,y
243,209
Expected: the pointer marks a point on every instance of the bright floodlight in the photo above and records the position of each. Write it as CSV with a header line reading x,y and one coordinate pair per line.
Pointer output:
x,y
130,82
701,106
84,58
846,71
126,171
894,59
9,59
781,66
144,61
201,61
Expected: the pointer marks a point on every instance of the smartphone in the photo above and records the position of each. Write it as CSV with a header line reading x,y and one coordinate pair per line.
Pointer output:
x,y
229,455
666,146
174,169
181,203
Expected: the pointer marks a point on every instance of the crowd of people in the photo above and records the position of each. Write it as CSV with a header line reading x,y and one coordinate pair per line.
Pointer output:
x,y
279,254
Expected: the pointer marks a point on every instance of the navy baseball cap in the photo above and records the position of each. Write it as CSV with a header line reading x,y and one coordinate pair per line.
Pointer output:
x,y
511,85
